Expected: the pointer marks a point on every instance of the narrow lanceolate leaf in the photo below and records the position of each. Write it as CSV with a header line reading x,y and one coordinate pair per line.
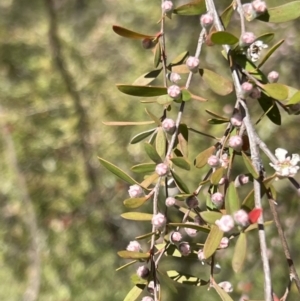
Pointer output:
x,y
217,121
270,108
216,176
135,202
204,229
197,7
283,13
232,201
126,265
183,138
160,142
269,53
149,180
223,295
276,91
219,84
210,217
181,162
121,31
294,99
142,91
240,252
180,58
152,153
223,38
213,241
185,95
144,168
266,37
165,281
226,15
147,78
201,159
184,278
135,292
137,216
157,55
180,183
249,166
133,255
117,171
153,117
216,115
141,136
126,123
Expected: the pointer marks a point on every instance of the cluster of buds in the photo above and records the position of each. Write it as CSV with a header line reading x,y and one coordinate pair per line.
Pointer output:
x,y
254,9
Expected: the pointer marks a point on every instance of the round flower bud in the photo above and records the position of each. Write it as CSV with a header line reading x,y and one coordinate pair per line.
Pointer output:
x,y
241,180
175,237
247,88
213,161
226,286
167,6
135,191
226,223
169,125
189,231
193,63
235,142
159,220
143,272
150,288
170,201
236,120
148,43
256,93
273,77
246,39
192,201
174,77
201,256
184,248
147,299
206,21
218,199
259,6
134,246
224,243
249,12
162,169
241,217
174,92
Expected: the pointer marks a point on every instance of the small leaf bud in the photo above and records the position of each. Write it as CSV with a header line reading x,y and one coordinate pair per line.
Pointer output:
x,y
147,298
167,6
256,93
162,169
175,237
135,191
236,119
273,77
173,77
259,6
170,201
226,286
134,246
213,161
189,231
184,248
218,199
226,223
193,63
246,39
224,243
201,256
159,220
192,201
206,21
169,125
143,272
247,88
235,142
241,180
241,218
174,92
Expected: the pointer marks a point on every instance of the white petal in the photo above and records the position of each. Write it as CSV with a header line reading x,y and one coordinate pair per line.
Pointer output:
x,y
280,154
295,159
284,172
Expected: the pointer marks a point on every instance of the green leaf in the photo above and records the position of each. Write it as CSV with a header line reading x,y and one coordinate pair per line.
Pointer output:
x,y
197,7
240,252
126,123
266,37
164,100
144,168
179,59
217,176
217,121
294,99
135,202
141,136
133,255
152,153
204,229
183,138
249,166
135,292
223,38
147,78
181,69
142,91
212,241
126,265
270,108
149,180
147,235
165,281
185,95
219,84
180,183
280,14
255,226
121,31
181,162
269,53
184,278
157,55
276,91
216,115
117,171
160,142
137,216
210,217
232,201
226,15
201,159
224,296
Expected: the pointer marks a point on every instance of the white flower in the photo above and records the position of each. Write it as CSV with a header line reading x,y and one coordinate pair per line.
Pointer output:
x,y
285,166
254,50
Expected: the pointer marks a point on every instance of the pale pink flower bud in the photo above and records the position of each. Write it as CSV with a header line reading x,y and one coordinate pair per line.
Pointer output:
x,y
224,243
226,223
247,88
256,93
169,125
247,38
175,237
241,218
249,12
162,169
174,77
192,63
147,298
241,180
218,199
273,77
189,231
236,142
174,92
167,6
184,249
236,120
192,201
213,161
170,201
150,289
226,286
206,20
201,256
134,246
135,191
159,220
259,6
143,271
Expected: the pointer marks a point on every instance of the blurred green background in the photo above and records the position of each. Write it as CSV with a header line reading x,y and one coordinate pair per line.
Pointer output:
x,y
60,227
